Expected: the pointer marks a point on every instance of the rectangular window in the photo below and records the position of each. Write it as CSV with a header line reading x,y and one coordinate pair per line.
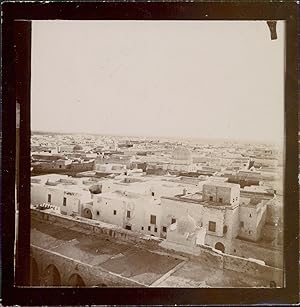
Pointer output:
x,y
155,229
128,214
224,229
98,212
164,229
49,198
142,228
65,201
220,200
152,193
211,198
152,219
115,212
173,221
212,226
241,224
149,228
128,227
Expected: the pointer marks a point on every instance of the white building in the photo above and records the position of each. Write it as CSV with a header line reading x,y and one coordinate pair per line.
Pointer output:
x,y
219,212
60,191
155,205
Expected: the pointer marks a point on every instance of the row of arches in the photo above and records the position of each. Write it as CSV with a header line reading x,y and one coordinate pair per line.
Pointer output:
x,y
51,276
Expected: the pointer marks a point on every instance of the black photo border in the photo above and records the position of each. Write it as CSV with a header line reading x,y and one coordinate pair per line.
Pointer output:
x,y
16,61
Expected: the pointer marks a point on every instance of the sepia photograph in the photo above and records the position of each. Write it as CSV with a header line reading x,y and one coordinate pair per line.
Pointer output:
x,y
157,153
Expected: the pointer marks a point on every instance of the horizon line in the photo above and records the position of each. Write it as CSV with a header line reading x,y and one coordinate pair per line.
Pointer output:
x,y
158,136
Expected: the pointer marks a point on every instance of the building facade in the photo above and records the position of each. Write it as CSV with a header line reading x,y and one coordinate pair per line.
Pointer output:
x,y
214,208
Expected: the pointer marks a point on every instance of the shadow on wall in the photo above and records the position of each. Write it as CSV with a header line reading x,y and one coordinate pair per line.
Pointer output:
x,y
52,277
34,273
75,280
220,246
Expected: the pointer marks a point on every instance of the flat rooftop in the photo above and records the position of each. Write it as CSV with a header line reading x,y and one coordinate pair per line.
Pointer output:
x,y
221,184
146,263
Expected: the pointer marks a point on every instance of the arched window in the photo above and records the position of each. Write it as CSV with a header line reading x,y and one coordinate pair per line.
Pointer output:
x,y
87,213
220,246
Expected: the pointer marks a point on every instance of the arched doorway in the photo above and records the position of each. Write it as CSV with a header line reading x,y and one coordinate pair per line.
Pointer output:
x,y
87,213
220,246
34,273
76,281
52,276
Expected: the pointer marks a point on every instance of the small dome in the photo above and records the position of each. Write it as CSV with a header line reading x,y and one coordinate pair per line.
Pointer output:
x,y
181,153
77,147
186,224
96,189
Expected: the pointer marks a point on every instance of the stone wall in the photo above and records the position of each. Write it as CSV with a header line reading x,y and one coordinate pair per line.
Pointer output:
x,y
272,257
67,267
269,232
211,257
253,268
90,226
208,255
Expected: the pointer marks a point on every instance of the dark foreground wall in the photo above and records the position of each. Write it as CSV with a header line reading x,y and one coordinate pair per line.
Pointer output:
x,y
52,269
242,265
91,276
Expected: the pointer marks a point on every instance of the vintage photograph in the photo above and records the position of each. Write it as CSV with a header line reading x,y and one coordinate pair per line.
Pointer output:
x,y
157,153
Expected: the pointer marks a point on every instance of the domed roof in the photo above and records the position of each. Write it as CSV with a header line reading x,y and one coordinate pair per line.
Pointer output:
x,y
95,189
186,224
77,147
181,153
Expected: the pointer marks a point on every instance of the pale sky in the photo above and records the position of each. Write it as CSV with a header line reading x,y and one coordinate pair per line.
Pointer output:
x,y
197,79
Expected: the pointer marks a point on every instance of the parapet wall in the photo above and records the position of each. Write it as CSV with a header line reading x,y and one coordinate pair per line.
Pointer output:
x,y
91,275
89,226
251,267
272,257
207,255
211,257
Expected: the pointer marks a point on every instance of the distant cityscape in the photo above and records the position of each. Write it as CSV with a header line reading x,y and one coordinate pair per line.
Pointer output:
x,y
121,211
183,185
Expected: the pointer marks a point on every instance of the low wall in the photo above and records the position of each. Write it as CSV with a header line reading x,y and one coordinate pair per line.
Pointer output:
x,y
272,257
211,257
238,264
91,275
89,226
208,255
253,268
